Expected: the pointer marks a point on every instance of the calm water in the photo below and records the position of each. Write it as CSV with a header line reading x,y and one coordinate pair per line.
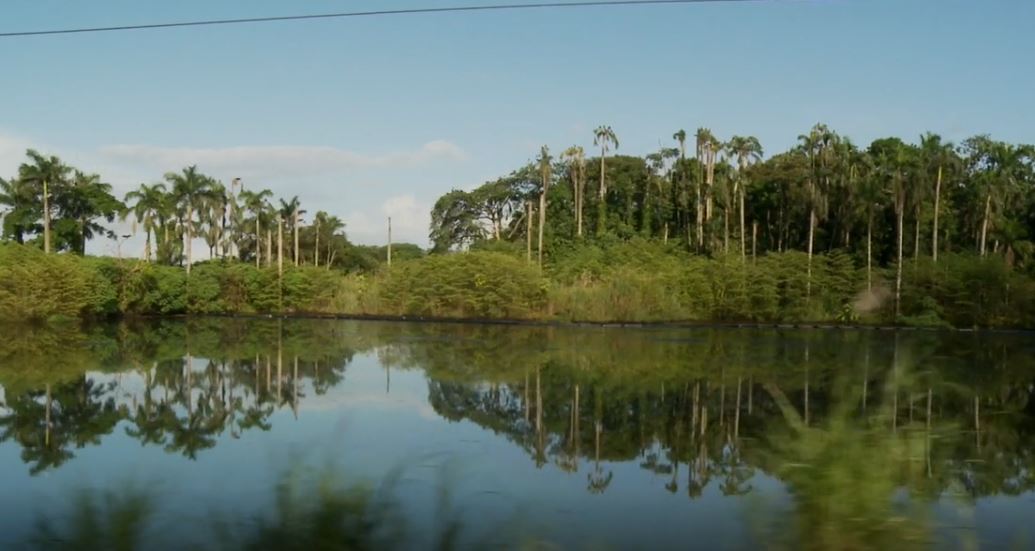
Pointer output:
x,y
223,434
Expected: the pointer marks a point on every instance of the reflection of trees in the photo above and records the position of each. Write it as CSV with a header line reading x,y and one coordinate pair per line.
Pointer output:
x,y
48,424
56,402
688,406
665,408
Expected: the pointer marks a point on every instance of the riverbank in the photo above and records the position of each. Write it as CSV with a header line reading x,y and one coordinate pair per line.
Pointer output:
x,y
625,285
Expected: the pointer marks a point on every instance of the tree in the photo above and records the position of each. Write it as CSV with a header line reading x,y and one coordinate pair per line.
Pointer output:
x,y
190,189
575,158
292,211
453,222
938,156
747,150
545,174
257,202
604,137
895,162
707,148
816,146
44,175
147,207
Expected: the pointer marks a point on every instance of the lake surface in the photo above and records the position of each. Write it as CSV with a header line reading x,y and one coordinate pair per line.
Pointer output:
x,y
229,433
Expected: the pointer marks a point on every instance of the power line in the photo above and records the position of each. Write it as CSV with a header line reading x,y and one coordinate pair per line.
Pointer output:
x,y
451,9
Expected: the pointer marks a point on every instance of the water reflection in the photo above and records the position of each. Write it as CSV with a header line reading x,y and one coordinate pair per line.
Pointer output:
x,y
872,436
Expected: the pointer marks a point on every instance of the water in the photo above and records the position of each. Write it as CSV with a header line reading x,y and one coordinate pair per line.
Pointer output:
x,y
223,433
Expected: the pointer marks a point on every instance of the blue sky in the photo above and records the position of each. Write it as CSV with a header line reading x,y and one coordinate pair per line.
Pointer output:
x,y
371,117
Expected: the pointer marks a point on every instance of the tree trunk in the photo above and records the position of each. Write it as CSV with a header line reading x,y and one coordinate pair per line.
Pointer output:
x,y
294,226
916,238
528,231
46,217
578,202
269,248
190,236
700,217
754,240
937,199
258,242
898,269
147,245
542,222
316,244
869,253
984,222
743,236
812,230
725,230
280,280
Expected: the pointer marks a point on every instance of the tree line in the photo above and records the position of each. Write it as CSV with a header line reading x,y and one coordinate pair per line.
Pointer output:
x,y
59,208
882,204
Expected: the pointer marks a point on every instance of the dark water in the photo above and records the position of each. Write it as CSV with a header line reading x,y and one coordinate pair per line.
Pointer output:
x,y
227,434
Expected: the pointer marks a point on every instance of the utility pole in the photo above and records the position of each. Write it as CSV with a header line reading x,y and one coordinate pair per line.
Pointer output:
x,y
389,241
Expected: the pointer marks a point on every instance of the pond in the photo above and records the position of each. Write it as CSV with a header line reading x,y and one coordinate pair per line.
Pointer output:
x,y
268,434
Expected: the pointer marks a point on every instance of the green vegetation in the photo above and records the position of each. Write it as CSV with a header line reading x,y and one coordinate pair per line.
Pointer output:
x,y
896,233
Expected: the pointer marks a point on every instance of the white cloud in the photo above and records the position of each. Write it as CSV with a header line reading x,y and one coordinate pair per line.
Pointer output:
x,y
286,161
410,220
12,154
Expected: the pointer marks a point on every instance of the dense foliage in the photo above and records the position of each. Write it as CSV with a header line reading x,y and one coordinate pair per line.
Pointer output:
x,y
624,281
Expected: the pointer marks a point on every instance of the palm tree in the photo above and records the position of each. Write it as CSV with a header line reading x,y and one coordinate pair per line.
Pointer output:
x,y
604,137
894,161
746,150
213,215
707,148
44,174
257,202
545,175
816,146
680,137
870,194
190,189
576,159
938,156
148,202
292,212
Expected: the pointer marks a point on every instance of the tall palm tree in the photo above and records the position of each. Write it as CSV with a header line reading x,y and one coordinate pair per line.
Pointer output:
x,y
938,156
545,175
680,137
257,202
291,211
816,146
870,200
213,214
147,204
190,189
707,148
576,159
604,137
44,174
896,163
747,150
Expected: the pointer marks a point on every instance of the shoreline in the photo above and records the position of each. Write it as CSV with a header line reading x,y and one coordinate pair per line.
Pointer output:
x,y
685,324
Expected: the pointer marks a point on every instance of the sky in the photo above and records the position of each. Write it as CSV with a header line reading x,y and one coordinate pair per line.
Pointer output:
x,y
374,117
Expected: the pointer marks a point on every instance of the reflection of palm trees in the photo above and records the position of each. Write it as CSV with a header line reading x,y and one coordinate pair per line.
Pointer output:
x,y
597,481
